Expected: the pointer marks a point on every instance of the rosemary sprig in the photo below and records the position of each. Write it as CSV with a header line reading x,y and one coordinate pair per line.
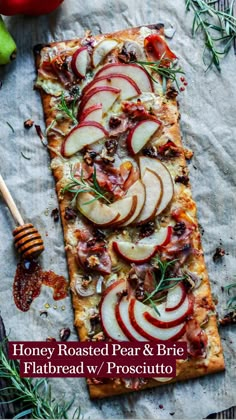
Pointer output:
x,y
70,112
166,68
35,395
80,185
211,21
163,284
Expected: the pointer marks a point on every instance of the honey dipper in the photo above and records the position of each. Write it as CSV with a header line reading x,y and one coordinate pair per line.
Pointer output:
x,y
28,240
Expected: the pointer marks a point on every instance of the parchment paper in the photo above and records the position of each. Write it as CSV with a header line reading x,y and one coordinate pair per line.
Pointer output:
x,y
208,127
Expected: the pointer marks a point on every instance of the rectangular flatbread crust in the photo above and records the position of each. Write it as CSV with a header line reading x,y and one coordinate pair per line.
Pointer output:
x,y
93,261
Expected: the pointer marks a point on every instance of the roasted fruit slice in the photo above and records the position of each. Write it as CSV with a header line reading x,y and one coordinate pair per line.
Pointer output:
x,y
175,298
122,317
104,95
137,189
97,212
161,170
82,135
126,207
93,113
136,253
107,311
80,61
140,76
144,327
154,191
128,88
159,238
102,49
141,134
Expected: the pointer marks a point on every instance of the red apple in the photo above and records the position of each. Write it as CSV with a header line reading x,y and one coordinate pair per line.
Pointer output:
x,y
175,297
104,95
168,319
107,311
122,317
93,113
160,238
135,253
140,76
82,135
140,134
128,88
154,190
102,49
80,61
148,330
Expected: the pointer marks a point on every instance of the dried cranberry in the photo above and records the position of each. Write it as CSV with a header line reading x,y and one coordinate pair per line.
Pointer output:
x,y
28,123
179,228
147,229
70,214
150,152
219,253
183,179
64,334
55,214
114,122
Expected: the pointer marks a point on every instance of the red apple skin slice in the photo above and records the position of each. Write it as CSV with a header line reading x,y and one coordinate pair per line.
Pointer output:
x,y
81,53
107,311
154,191
131,204
139,189
117,248
104,47
93,113
75,136
128,90
122,316
182,295
161,170
160,238
140,76
140,134
137,308
168,324
96,95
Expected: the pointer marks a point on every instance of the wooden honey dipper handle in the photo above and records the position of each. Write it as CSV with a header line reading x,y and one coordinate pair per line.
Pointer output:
x,y
10,202
28,240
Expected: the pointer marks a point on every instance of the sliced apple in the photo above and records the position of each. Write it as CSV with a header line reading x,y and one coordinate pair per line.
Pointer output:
x,y
102,49
128,88
107,311
154,191
141,134
82,135
122,317
168,319
175,297
137,189
160,238
134,252
97,212
161,170
126,207
93,113
151,332
80,61
104,95
140,76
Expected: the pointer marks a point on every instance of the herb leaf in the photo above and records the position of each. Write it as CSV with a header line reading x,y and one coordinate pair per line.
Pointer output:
x,y
166,68
70,112
80,185
35,395
165,283
205,19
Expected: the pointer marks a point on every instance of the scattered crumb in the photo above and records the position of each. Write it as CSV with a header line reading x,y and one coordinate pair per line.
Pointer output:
x,y
172,414
55,214
46,305
64,334
28,123
50,339
188,153
43,312
218,254
161,406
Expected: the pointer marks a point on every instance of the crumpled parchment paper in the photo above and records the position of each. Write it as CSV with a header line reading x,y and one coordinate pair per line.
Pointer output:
x,y
208,128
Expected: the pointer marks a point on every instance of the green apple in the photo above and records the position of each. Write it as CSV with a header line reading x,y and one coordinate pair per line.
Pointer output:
x,y
7,44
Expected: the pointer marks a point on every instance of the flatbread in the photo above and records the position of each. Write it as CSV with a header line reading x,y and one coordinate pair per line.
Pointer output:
x,y
55,78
